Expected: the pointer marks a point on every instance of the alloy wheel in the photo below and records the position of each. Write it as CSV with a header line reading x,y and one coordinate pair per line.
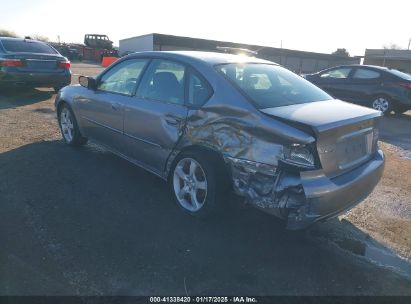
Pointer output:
x,y
381,104
66,123
190,184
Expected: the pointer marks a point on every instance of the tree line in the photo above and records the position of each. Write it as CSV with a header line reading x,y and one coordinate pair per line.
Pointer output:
x,y
8,33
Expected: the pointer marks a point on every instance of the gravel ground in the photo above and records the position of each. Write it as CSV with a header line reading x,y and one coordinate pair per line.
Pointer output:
x,y
386,213
84,222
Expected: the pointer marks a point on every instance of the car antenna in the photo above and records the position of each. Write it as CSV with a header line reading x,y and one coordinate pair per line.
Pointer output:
x,y
234,50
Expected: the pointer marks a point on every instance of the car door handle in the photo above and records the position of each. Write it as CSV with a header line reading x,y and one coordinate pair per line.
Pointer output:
x,y
172,121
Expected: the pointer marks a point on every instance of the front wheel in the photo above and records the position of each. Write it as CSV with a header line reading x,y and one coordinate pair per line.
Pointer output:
x,y
69,128
194,185
382,103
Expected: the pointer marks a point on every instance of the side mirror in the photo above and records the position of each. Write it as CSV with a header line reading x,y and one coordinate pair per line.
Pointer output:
x,y
87,82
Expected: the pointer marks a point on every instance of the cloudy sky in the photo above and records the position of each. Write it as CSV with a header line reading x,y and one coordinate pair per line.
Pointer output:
x,y
316,25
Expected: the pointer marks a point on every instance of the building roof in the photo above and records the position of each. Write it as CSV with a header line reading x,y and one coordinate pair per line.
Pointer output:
x,y
198,43
388,54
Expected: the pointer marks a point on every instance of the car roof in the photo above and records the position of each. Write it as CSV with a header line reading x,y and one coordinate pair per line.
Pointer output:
x,y
9,38
211,58
20,39
16,38
361,66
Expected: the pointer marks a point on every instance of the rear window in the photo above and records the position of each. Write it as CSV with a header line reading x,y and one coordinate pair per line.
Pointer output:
x,y
401,74
366,74
270,85
21,46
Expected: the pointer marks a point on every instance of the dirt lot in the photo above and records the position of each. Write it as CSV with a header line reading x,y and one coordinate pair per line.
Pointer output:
x,y
386,214
84,222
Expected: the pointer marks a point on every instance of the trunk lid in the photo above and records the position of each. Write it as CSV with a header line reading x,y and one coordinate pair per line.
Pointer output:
x,y
346,134
37,63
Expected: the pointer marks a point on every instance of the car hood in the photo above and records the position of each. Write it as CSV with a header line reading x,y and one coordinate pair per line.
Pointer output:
x,y
323,115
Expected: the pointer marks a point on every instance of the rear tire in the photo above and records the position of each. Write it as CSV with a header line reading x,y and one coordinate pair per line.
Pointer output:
x,y
382,103
69,127
196,185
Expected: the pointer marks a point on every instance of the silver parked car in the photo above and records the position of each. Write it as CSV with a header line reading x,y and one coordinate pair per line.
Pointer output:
x,y
211,122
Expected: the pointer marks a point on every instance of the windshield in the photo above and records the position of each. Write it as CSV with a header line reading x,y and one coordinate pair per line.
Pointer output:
x,y
271,85
401,74
26,46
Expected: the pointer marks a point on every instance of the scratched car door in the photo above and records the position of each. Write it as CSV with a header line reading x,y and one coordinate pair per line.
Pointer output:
x,y
154,119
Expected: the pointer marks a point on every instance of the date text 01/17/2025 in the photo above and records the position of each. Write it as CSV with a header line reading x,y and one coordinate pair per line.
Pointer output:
x,y
203,299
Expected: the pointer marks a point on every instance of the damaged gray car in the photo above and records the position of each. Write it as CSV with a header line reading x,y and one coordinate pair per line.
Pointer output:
x,y
210,123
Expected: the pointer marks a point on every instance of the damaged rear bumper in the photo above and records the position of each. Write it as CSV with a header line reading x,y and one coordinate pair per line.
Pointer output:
x,y
306,197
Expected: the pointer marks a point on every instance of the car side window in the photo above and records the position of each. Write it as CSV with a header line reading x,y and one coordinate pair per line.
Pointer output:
x,y
123,77
199,91
163,81
257,81
340,73
366,74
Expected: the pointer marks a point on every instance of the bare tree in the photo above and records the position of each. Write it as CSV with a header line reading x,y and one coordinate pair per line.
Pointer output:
x,y
341,52
40,38
7,33
392,46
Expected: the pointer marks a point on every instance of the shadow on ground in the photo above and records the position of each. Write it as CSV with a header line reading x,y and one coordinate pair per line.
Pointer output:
x,y
396,130
18,97
85,222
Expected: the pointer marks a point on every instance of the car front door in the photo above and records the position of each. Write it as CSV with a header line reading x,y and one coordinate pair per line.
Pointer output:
x,y
336,82
154,119
102,110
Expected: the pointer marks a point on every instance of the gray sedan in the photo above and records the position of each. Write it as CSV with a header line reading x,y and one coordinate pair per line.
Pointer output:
x,y
210,123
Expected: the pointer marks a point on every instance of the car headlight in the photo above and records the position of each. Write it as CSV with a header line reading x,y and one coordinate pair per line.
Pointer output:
x,y
299,155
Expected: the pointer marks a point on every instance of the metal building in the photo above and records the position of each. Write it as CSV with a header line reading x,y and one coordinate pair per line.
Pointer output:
x,y
394,59
297,61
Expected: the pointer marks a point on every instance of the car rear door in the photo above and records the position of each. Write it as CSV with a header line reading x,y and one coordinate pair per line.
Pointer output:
x,y
102,109
154,119
365,83
336,82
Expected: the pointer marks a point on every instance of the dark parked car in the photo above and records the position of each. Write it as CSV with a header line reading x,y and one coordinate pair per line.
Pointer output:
x,y
31,63
209,122
381,88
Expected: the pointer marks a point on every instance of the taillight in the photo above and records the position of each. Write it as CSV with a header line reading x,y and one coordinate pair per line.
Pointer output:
x,y
64,65
11,63
406,85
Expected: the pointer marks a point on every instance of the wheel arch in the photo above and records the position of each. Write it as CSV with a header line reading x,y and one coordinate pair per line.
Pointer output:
x,y
59,104
214,155
63,102
379,94
66,101
392,101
